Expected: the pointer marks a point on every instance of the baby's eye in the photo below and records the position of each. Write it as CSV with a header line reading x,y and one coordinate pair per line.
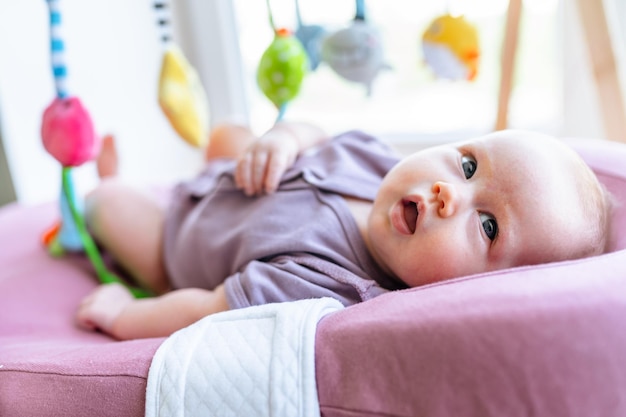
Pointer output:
x,y
490,226
469,166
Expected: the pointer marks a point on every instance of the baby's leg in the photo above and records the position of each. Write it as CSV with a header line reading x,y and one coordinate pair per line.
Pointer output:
x,y
129,224
112,309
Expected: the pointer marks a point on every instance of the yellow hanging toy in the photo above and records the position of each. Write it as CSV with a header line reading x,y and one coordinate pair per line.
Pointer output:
x,y
451,48
181,94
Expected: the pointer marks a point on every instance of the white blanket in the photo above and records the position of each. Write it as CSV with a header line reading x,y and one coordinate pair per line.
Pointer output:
x,y
257,361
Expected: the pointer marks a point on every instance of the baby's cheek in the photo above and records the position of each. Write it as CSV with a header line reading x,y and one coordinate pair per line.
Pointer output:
x,y
442,261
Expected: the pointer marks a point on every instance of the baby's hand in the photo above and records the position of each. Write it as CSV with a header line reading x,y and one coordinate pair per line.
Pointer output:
x,y
100,308
262,165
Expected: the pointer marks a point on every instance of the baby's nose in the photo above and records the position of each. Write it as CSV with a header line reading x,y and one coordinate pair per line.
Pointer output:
x,y
447,196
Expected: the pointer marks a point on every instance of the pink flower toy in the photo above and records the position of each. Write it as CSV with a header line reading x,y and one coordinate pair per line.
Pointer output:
x,y
68,134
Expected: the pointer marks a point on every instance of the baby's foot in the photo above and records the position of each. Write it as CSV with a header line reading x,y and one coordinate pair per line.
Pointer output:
x,y
100,309
107,161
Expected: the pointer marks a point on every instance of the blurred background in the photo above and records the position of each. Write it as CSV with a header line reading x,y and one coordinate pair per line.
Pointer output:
x,y
113,53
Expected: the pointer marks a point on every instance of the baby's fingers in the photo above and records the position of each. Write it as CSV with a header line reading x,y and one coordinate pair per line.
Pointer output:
x,y
259,168
100,309
276,167
243,175
250,172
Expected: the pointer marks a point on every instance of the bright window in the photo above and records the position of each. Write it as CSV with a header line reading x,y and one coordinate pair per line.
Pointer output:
x,y
408,98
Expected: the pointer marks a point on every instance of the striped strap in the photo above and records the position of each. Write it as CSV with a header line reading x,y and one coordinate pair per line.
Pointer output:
x,y
57,49
162,9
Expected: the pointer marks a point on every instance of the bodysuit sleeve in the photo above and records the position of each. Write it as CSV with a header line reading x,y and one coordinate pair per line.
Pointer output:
x,y
295,277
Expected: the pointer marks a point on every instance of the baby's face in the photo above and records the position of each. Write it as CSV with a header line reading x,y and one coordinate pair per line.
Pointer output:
x,y
503,200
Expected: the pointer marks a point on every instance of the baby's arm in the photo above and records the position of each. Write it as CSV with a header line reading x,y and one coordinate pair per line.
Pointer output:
x,y
112,309
261,166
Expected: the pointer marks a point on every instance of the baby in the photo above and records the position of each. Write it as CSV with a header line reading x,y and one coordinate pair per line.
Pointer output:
x,y
268,222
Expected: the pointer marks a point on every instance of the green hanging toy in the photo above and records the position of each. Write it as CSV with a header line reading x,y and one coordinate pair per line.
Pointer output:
x,y
282,68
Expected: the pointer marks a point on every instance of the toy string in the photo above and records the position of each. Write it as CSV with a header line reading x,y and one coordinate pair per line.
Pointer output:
x,y
298,14
360,10
90,247
281,112
270,16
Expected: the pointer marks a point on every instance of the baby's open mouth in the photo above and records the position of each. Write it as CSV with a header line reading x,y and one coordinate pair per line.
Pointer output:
x,y
410,214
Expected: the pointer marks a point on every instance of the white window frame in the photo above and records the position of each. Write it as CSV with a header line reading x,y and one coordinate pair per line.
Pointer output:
x,y
208,31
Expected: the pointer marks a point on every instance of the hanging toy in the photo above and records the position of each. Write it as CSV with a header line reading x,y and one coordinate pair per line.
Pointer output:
x,y
356,52
282,68
451,48
68,134
181,94
311,38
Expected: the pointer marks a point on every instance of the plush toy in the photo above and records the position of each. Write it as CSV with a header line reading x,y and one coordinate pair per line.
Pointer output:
x,y
451,49
181,94
67,131
282,67
68,134
356,52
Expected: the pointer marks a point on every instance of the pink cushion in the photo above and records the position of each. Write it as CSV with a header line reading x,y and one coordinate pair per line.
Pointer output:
x,y
48,367
546,340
